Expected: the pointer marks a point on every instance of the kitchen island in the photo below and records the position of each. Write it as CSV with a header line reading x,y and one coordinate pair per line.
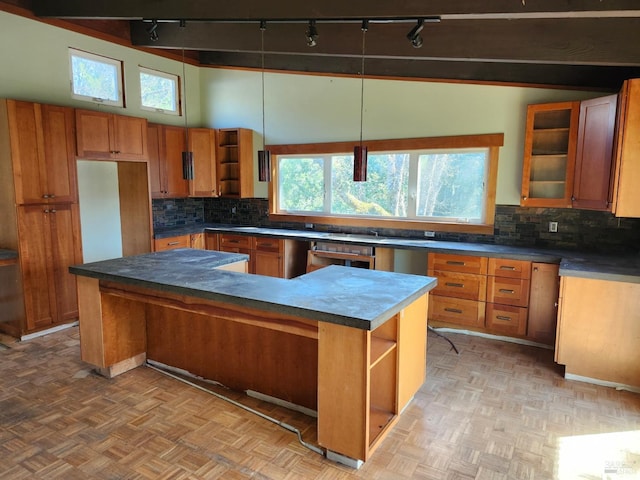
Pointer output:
x,y
348,343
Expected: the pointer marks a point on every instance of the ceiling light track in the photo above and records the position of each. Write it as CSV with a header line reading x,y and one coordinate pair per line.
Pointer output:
x,y
304,22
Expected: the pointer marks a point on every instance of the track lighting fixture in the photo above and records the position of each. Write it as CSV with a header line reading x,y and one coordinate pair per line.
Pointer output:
x,y
264,155
414,35
312,34
152,31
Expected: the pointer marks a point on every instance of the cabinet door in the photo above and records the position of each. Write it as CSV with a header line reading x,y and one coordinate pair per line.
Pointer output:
x,y
156,176
543,303
65,251
171,243
267,263
130,138
594,153
172,144
549,154
34,231
626,196
27,151
94,134
202,144
59,153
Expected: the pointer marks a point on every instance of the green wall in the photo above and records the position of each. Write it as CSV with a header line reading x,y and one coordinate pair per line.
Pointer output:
x,y
298,108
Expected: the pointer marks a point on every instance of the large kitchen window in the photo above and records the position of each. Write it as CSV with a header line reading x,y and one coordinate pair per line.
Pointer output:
x,y
446,183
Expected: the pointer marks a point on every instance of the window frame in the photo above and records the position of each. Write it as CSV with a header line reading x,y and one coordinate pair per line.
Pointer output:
x,y
119,64
492,142
171,76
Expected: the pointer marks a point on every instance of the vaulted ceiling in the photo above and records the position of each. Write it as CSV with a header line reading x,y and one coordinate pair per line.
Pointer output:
x,y
592,44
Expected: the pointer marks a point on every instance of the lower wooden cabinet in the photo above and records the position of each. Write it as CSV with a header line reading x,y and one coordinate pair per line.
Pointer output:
x,y
49,243
194,240
273,257
495,295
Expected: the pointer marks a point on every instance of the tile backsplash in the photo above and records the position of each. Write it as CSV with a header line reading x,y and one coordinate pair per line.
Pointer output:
x,y
517,226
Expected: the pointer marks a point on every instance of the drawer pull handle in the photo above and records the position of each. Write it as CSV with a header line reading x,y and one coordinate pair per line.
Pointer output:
x,y
455,262
502,317
507,267
173,243
453,310
459,285
233,241
265,244
505,290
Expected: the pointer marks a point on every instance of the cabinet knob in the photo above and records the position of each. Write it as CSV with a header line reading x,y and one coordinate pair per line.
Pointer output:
x,y
524,197
45,196
573,199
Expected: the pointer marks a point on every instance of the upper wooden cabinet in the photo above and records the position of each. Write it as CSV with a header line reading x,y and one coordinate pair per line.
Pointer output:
x,y
42,152
235,162
106,136
166,145
626,194
568,154
594,154
549,154
203,145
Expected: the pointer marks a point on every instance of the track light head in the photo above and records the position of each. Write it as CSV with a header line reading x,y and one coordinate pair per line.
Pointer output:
x,y
152,31
312,34
414,35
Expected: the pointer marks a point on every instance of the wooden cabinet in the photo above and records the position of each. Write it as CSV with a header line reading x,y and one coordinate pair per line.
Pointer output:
x,y
598,330
626,194
166,177
366,378
234,152
203,145
459,298
273,257
568,154
106,136
516,298
43,152
283,258
594,155
193,240
323,254
543,303
549,154
49,244
507,296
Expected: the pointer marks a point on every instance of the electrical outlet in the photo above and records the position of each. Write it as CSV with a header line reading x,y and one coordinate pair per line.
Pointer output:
x,y
429,234
553,227
233,210
308,225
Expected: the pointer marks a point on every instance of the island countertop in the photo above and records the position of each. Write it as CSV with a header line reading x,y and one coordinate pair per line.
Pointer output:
x,y
353,297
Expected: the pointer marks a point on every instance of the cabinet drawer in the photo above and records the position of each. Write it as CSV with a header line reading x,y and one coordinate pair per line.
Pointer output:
x,y
469,313
169,243
457,263
236,241
503,267
506,319
460,285
508,291
265,244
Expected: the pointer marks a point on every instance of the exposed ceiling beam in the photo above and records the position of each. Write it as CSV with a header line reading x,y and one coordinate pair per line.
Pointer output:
x,y
326,9
541,41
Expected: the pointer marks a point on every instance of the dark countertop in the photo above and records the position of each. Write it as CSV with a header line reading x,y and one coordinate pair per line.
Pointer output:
x,y
622,268
354,297
8,257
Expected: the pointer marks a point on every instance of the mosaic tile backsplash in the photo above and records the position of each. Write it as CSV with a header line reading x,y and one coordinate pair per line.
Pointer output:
x,y
584,230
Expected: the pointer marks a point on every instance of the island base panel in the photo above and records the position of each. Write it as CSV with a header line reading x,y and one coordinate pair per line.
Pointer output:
x,y
238,355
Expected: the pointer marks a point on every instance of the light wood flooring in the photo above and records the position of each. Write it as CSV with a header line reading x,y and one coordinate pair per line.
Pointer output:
x,y
496,411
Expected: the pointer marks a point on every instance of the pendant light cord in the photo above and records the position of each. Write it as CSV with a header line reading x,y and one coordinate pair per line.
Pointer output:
x,y
183,25
263,27
365,27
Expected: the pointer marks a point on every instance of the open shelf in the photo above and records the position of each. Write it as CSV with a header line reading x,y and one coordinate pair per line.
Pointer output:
x,y
379,421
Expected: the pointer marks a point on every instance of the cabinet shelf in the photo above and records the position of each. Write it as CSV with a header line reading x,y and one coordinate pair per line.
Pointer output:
x,y
380,348
379,420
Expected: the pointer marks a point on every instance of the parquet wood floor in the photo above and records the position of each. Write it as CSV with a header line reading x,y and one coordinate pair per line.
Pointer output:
x,y
496,411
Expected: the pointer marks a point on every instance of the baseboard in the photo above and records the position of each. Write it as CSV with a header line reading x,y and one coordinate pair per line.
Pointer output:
x,y
520,341
603,383
41,333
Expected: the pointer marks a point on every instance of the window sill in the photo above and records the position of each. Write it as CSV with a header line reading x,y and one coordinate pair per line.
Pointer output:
x,y
370,222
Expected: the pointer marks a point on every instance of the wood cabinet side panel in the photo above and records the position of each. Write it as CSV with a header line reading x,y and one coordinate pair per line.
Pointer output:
x,y
599,328
543,302
156,175
628,161
412,350
90,315
343,380
123,328
136,220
